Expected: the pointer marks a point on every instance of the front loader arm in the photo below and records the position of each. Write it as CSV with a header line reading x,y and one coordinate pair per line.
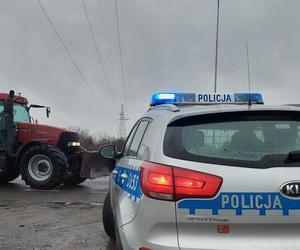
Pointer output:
x,y
94,165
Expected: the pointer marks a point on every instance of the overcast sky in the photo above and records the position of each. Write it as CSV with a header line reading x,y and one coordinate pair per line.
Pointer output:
x,y
167,45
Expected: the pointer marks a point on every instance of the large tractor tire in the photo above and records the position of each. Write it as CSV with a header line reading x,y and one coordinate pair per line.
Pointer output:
x,y
43,167
9,174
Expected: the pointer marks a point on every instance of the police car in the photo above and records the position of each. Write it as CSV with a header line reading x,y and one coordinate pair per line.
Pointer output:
x,y
207,171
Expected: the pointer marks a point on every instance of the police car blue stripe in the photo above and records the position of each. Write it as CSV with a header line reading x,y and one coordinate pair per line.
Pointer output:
x,y
131,185
239,202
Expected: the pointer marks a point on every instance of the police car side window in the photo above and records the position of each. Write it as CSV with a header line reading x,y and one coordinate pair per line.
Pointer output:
x,y
136,142
129,139
144,148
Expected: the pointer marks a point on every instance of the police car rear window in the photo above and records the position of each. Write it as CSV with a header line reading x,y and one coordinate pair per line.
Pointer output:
x,y
256,139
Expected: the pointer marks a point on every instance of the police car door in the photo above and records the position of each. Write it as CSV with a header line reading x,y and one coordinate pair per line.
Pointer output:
x,y
239,187
127,176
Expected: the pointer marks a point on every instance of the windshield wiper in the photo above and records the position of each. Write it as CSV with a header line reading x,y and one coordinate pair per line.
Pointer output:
x,y
294,155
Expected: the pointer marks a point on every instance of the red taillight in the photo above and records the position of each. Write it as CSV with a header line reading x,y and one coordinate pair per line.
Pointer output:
x,y
144,248
171,183
190,184
157,181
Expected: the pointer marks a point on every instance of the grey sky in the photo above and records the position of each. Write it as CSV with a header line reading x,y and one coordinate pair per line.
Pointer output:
x,y
167,45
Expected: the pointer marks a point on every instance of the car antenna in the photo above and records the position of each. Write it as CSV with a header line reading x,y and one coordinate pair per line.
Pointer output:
x,y
249,82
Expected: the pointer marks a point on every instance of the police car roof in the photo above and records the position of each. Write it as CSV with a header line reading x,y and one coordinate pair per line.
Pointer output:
x,y
172,110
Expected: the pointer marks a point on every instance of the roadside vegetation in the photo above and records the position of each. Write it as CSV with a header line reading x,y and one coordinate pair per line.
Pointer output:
x,y
94,142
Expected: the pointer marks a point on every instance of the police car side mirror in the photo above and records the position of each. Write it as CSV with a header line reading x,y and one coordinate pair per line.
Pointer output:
x,y
108,152
48,110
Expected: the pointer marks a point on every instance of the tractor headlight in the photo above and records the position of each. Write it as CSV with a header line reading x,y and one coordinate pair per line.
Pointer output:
x,y
73,144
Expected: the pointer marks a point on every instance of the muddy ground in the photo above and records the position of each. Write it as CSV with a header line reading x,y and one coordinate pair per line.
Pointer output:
x,y
66,218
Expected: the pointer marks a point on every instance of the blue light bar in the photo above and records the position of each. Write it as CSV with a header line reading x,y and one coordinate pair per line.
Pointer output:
x,y
249,97
164,98
204,98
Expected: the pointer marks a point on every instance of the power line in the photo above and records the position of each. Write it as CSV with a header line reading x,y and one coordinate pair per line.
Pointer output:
x,y
73,60
97,50
217,46
101,13
248,67
120,53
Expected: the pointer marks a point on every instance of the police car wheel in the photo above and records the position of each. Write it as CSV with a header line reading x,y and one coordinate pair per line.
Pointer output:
x,y
108,218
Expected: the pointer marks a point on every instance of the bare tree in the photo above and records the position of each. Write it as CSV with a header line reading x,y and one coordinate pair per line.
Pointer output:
x,y
94,142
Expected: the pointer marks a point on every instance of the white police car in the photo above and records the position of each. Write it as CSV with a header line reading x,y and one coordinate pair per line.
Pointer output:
x,y
207,171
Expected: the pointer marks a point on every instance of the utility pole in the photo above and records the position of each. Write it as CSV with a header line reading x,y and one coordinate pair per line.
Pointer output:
x,y
122,128
217,47
248,66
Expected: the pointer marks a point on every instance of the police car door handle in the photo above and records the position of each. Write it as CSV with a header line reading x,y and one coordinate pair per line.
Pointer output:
x,y
123,176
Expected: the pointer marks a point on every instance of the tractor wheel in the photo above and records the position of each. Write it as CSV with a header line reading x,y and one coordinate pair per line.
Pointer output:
x,y
9,174
73,180
108,218
43,167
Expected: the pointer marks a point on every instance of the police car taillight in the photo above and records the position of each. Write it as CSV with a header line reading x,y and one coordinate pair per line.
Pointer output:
x,y
157,181
193,184
172,183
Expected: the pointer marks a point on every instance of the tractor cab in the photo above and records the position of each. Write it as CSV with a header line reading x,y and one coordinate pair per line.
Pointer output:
x,y
15,115
20,109
20,114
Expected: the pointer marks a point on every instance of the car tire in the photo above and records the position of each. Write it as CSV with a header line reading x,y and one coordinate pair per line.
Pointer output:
x,y
108,218
43,167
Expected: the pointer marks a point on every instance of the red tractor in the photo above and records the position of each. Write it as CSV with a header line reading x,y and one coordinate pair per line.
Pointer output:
x,y
45,156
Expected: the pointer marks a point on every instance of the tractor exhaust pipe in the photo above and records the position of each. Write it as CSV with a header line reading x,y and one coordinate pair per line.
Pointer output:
x,y
9,122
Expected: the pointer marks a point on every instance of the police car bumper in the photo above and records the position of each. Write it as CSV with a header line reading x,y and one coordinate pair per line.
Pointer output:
x,y
241,236
161,237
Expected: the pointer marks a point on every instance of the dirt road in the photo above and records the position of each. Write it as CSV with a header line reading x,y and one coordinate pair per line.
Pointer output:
x,y
67,218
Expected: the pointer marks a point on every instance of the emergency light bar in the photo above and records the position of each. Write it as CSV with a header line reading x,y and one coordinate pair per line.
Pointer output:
x,y
202,98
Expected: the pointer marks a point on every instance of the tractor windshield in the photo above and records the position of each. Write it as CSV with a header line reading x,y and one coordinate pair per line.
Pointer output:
x,y
21,113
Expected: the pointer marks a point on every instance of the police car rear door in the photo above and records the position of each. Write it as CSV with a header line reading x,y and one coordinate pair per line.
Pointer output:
x,y
127,176
237,179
